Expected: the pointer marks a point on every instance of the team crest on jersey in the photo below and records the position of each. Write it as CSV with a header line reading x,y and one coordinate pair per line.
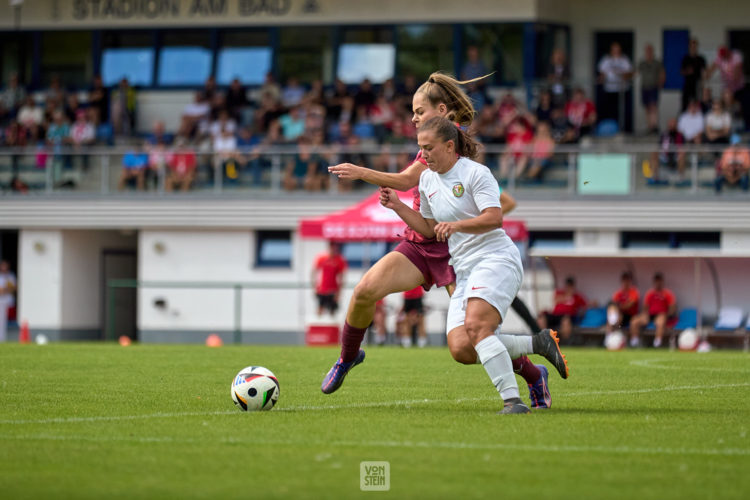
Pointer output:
x,y
458,190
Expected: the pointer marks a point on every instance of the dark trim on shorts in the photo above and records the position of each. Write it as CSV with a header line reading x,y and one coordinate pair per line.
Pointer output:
x,y
414,305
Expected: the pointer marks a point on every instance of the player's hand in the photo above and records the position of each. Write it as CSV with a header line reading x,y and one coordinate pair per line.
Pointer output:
x,y
443,230
346,171
389,198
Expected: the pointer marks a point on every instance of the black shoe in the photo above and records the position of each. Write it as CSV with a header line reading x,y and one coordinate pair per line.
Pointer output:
x,y
546,343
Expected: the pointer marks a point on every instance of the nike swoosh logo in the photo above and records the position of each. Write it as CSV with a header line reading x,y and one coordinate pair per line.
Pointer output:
x,y
429,196
477,287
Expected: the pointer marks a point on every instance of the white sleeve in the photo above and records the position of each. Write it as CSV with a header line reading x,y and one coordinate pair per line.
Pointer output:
x,y
424,202
485,189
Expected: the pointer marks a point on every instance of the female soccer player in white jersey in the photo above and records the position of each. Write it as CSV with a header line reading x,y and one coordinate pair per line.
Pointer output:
x,y
460,204
417,260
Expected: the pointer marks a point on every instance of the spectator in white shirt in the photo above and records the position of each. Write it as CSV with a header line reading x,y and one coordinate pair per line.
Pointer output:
x,y
223,123
691,123
718,124
615,72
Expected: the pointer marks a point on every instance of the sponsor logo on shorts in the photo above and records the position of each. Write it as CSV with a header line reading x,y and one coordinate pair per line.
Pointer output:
x,y
458,190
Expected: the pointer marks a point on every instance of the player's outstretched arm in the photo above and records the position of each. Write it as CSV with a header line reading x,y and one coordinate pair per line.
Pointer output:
x,y
406,179
507,202
389,199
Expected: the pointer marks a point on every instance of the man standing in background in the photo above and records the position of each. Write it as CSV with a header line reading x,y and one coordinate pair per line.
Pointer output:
x,y
693,70
328,276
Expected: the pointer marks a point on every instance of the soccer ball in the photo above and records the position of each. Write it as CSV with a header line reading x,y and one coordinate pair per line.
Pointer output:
x,y
255,389
688,340
614,341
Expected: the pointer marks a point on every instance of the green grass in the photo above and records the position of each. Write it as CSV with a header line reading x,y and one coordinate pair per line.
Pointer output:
x,y
102,421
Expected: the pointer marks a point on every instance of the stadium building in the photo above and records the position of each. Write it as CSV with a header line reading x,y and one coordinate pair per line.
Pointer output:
x,y
228,257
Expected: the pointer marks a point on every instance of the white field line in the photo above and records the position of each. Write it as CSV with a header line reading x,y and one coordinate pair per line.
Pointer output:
x,y
656,363
618,450
379,404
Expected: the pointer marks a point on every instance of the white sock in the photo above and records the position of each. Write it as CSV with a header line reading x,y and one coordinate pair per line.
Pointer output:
x,y
422,341
517,345
406,342
499,367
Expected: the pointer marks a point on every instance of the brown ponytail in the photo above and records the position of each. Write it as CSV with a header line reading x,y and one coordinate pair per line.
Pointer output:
x,y
446,130
442,88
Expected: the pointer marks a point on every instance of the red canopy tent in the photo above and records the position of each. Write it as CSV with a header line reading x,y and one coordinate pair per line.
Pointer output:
x,y
368,220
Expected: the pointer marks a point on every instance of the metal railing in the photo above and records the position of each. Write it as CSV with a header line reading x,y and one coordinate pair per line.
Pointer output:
x,y
99,170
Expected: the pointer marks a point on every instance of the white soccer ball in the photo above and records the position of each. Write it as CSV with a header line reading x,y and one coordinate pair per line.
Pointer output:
x,y
255,389
41,339
688,340
615,341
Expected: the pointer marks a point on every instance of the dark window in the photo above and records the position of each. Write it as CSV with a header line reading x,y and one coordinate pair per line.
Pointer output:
x,y
305,52
67,54
424,48
500,49
16,50
668,239
273,249
551,239
675,46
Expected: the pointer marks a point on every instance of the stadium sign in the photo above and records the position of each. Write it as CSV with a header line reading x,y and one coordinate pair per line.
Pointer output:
x,y
153,9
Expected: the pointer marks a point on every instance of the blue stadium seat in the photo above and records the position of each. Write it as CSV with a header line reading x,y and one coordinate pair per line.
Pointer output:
x,y
596,317
730,319
688,318
607,128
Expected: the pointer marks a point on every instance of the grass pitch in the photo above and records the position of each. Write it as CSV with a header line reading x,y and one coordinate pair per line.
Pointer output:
x,y
148,421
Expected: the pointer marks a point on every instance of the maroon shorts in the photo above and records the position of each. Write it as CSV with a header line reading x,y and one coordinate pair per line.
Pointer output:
x,y
431,258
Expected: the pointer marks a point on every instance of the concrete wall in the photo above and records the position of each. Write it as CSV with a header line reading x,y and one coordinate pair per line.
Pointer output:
x,y
60,276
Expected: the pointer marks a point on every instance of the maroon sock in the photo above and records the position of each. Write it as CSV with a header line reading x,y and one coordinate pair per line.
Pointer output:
x,y
528,370
351,339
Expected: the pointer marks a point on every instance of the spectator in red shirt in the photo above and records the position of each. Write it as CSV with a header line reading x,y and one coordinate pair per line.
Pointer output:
x,y
182,166
581,113
659,306
569,307
624,305
328,274
411,317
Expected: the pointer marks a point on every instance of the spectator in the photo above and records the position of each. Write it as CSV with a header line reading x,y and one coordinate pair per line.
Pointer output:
x,y
624,304
669,141
159,154
581,113
134,164
58,138
292,124
560,127
99,100
707,100
389,90
475,68
729,63
653,76
693,71
11,98
487,126
412,318
383,114
335,99
181,167
344,140
735,110
615,72
544,108
734,166
83,134
270,110
7,297
508,110
569,307
223,123
718,124
227,157
302,169
659,307
236,100
55,93
691,123
543,149
15,137
271,88
256,159
159,134
18,186
72,106
558,77
293,93
123,108
328,276
516,156
30,116
193,115
365,95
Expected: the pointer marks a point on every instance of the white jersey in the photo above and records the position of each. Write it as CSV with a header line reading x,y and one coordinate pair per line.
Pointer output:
x,y
462,193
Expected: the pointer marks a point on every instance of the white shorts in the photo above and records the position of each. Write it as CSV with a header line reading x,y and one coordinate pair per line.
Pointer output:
x,y
495,280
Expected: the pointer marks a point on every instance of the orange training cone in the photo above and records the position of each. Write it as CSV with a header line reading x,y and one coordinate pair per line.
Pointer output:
x,y
24,337
214,340
124,340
